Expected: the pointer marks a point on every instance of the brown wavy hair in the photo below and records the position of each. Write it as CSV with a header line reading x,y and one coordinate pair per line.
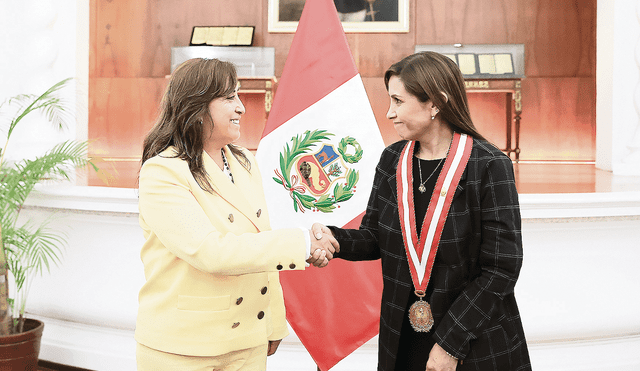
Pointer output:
x,y
427,75
184,109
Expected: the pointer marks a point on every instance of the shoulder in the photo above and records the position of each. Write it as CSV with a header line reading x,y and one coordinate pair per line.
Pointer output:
x,y
484,151
391,154
165,162
167,157
250,156
487,158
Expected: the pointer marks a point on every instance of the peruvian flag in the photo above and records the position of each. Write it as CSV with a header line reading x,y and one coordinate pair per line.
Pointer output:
x,y
317,155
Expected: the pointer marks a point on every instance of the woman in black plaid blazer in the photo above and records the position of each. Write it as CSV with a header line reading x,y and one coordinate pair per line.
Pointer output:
x,y
477,324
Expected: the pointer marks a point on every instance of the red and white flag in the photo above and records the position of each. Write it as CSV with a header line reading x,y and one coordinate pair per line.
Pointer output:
x,y
317,155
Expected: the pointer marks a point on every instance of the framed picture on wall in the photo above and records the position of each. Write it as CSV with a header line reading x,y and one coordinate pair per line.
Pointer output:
x,y
375,16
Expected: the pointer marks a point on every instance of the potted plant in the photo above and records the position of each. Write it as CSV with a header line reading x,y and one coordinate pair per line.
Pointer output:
x,y
29,248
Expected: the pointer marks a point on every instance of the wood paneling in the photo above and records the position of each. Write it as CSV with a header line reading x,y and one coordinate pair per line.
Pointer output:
x,y
558,119
121,112
559,36
134,37
131,44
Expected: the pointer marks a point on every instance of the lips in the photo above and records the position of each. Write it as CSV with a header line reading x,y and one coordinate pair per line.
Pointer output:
x,y
236,122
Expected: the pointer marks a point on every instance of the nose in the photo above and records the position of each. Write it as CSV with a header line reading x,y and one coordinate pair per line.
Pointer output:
x,y
391,114
240,107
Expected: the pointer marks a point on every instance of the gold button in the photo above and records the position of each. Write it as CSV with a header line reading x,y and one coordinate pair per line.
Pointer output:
x,y
259,212
292,266
261,315
443,193
231,218
264,290
279,267
239,301
235,325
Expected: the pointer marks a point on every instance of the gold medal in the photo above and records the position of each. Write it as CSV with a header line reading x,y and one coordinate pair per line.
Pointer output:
x,y
420,315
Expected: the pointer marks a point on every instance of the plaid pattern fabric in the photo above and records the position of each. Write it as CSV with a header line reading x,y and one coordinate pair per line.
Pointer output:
x,y
475,271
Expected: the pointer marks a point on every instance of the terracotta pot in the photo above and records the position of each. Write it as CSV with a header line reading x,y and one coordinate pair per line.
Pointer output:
x,y
20,351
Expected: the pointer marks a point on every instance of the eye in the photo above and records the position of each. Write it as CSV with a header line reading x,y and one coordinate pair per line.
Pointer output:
x,y
231,97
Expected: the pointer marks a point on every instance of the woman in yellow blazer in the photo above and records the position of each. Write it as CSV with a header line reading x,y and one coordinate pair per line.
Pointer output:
x,y
212,298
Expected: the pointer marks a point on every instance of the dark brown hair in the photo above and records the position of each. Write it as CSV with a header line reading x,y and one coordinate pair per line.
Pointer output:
x,y
427,75
185,109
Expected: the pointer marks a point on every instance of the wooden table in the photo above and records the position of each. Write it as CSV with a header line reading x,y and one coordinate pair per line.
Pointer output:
x,y
513,103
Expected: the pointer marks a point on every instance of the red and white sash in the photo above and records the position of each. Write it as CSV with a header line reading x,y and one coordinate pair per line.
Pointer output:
x,y
421,259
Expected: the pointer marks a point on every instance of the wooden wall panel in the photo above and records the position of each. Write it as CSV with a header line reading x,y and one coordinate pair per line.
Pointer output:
x,y
467,21
130,55
559,36
563,41
121,112
134,37
558,119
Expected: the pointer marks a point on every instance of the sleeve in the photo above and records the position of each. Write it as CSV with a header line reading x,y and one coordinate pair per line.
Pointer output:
x,y
171,215
362,244
278,311
499,261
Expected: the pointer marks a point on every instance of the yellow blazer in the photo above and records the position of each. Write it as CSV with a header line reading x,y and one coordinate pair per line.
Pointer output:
x,y
211,260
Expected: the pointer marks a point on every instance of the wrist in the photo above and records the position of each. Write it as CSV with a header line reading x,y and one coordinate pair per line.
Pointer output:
x,y
449,354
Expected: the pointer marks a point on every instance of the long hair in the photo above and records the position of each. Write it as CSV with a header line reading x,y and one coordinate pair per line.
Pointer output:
x,y
427,75
185,110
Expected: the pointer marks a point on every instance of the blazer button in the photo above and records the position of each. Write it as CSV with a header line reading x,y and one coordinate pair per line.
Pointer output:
x,y
231,218
292,266
259,212
261,315
279,267
264,290
239,301
235,325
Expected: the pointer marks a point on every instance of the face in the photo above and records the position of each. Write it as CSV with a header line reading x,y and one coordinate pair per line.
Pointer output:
x,y
225,113
411,118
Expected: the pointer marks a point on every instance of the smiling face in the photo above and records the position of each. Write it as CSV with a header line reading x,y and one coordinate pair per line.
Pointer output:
x,y
225,113
411,118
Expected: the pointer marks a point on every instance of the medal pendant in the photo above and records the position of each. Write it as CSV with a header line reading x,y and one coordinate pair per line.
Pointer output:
x,y
420,316
422,188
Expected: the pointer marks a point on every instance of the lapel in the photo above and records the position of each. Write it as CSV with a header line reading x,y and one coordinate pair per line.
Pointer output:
x,y
234,193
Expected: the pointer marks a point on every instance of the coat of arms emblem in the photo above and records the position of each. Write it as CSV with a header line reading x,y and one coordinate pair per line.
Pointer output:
x,y
316,173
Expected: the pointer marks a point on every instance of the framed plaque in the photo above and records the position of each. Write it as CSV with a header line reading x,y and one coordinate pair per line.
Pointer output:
x,y
222,35
357,16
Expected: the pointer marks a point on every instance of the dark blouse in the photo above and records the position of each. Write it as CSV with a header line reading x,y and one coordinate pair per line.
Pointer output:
x,y
414,347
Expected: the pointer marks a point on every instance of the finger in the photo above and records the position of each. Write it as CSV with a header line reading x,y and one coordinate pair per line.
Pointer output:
x,y
327,230
319,263
334,243
326,243
317,229
324,263
328,255
315,256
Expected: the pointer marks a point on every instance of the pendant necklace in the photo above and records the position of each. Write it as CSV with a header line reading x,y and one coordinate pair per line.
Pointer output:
x,y
421,187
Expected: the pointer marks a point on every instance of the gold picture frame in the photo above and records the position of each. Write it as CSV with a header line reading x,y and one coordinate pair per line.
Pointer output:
x,y
381,16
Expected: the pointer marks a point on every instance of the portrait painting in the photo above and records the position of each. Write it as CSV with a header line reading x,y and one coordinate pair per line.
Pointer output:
x,y
375,16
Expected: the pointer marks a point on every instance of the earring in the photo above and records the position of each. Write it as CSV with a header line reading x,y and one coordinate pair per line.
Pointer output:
x,y
433,117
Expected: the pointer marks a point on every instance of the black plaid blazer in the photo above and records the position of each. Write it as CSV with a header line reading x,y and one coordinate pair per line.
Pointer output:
x,y
475,271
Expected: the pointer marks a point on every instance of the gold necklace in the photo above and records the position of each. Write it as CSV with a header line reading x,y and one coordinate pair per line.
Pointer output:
x,y
421,187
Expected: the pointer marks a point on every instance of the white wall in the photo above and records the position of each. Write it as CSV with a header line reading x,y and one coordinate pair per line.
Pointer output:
x,y
577,291
38,49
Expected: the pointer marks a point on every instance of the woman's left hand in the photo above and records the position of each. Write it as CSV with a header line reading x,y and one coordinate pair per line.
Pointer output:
x,y
439,360
273,346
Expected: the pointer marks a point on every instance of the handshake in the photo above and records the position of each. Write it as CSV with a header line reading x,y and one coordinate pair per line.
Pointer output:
x,y
323,245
